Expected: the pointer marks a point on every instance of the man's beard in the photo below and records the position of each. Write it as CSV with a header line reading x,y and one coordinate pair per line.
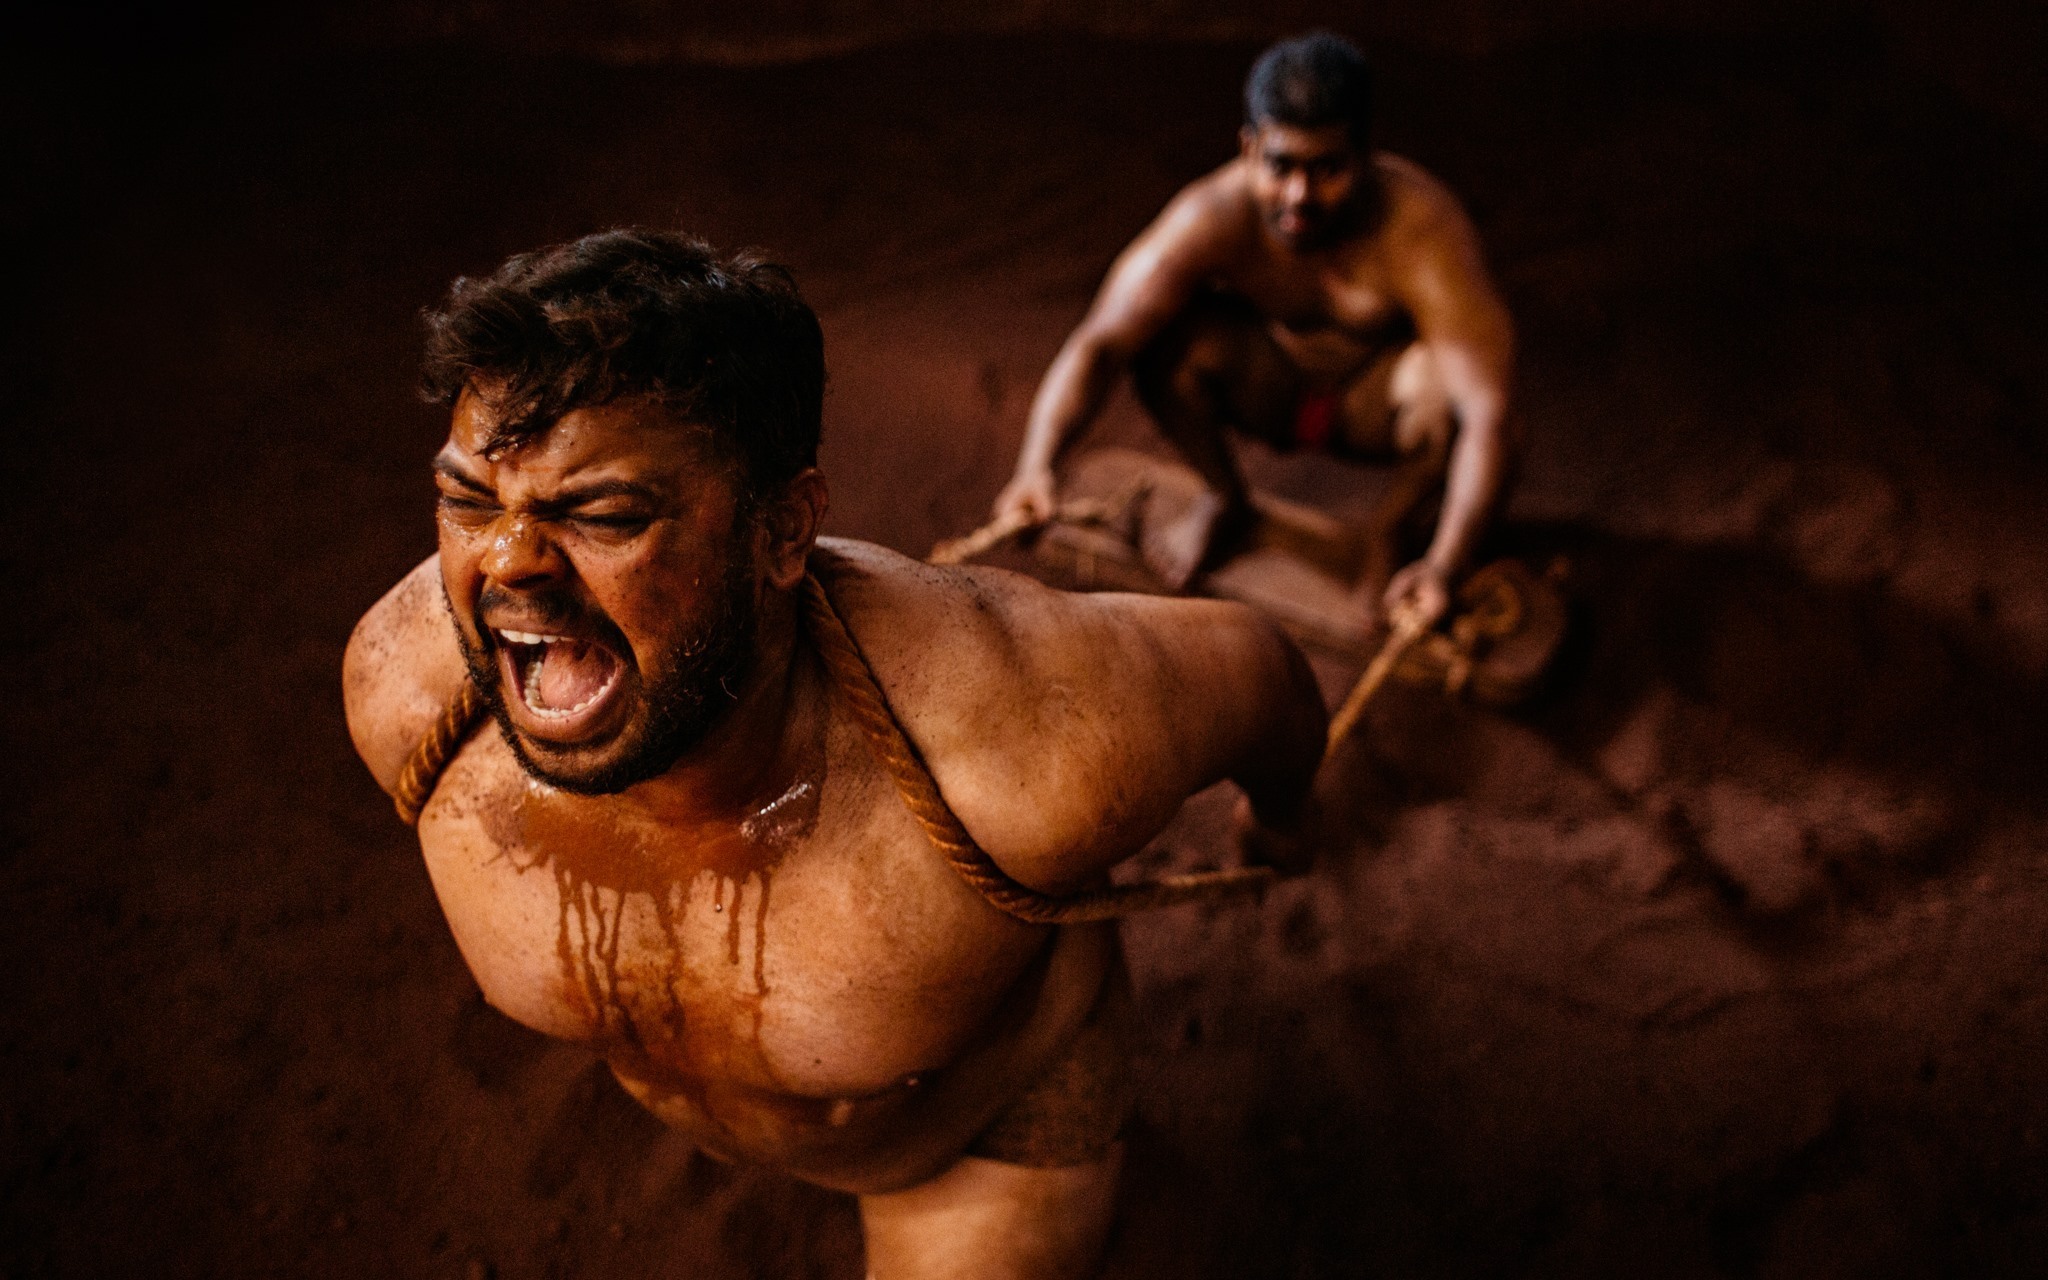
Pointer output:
x,y
702,676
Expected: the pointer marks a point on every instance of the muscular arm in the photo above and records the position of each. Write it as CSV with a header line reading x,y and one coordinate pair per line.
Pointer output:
x,y
1185,693
1065,730
1150,282
1461,320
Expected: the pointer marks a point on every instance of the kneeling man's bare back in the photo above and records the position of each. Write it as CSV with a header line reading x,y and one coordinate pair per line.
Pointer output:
x,y
687,841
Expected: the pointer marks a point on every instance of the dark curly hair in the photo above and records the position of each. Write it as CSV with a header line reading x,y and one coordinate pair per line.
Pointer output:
x,y
725,341
1309,82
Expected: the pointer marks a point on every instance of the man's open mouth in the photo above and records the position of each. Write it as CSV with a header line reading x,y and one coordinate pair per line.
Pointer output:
x,y
559,685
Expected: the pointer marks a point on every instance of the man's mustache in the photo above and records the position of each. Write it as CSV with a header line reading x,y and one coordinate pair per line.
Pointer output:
x,y
548,611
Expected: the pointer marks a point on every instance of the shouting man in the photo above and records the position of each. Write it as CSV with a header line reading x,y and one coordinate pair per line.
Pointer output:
x,y
785,829
1314,294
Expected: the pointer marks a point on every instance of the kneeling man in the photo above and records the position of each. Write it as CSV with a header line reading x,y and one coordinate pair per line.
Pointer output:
x,y
1314,294
760,810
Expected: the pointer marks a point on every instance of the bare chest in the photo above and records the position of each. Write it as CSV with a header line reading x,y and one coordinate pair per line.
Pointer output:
x,y
818,947
1346,305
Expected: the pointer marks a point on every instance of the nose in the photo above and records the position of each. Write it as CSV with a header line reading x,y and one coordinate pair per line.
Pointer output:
x,y
521,554
1295,191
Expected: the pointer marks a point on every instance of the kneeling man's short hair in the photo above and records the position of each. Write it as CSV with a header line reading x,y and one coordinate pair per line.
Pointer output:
x,y
1310,82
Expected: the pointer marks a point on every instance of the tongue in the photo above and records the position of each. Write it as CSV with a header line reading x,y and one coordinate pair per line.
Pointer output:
x,y
571,674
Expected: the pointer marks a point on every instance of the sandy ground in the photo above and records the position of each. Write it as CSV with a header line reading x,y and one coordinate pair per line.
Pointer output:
x,y
1725,957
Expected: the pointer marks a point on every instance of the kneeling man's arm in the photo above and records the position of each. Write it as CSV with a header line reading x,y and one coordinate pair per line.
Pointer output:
x,y
1459,315
1150,282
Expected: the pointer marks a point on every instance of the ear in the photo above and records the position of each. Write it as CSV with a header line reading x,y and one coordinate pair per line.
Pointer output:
x,y
789,524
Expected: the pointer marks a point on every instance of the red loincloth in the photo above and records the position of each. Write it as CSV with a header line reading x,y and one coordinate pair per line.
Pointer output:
x,y
1314,418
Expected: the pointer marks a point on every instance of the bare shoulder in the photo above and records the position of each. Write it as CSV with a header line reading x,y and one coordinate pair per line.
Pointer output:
x,y
1198,237
1433,256
1060,726
997,629
1007,625
1420,208
1210,220
401,668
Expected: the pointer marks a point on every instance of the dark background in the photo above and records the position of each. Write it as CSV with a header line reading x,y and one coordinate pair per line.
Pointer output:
x,y
1725,957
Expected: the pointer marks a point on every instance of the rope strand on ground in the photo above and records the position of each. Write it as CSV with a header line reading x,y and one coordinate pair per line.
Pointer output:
x,y
1407,628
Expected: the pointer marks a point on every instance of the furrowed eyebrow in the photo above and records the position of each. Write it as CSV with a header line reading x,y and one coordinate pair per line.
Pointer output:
x,y
577,495
568,499
455,475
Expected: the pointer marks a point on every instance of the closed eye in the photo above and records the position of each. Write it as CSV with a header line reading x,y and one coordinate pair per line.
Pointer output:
x,y
623,523
466,507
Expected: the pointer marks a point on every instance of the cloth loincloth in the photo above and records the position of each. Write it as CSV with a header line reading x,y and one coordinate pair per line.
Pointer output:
x,y
1315,419
1077,1110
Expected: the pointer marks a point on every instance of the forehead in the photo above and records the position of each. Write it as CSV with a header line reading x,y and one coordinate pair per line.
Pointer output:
x,y
1277,139
635,437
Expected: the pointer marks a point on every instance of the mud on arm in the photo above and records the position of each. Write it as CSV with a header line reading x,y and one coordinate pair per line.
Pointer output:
x,y
1153,700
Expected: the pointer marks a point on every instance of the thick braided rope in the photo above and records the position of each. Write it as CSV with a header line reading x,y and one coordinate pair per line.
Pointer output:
x,y
430,758
855,681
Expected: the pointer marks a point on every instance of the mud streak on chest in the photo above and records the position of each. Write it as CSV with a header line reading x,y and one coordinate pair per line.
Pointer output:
x,y
615,868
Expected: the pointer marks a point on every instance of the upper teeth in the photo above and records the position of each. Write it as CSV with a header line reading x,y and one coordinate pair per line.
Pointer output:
x,y
530,637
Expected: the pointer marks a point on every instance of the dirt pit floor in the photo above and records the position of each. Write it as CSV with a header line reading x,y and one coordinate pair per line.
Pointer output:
x,y
1726,957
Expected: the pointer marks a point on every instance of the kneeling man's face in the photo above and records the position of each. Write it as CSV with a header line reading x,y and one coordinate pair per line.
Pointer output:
x,y
1307,183
602,581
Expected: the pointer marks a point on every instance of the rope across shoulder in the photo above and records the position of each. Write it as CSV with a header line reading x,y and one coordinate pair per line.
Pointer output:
x,y
854,680
429,760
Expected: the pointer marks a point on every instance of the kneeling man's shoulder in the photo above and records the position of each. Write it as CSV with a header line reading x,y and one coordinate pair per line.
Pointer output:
x,y
1420,206
401,668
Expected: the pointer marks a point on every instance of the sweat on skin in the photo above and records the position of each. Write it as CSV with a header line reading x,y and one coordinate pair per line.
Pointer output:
x,y
678,850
